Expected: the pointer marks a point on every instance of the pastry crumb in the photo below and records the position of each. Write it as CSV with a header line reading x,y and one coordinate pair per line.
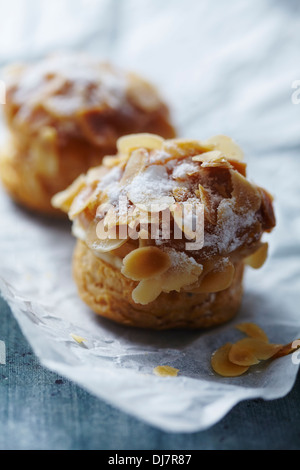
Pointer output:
x,y
165,371
77,338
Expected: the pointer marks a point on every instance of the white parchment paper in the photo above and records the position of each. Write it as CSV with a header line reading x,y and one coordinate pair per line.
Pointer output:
x,y
226,68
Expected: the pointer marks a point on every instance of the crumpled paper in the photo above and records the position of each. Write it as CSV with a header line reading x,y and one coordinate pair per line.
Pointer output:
x,y
225,70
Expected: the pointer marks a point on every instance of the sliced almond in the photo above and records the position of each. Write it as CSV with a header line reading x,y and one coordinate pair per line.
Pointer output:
x,y
253,331
98,239
64,199
217,280
181,148
95,174
77,338
257,259
111,218
147,291
226,145
110,161
250,351
218,162
223,366
165,371
85,198
187,217
155,205
134,166
206,200
128,143
208,156
176,280
245,195
287,349
238,166
145,263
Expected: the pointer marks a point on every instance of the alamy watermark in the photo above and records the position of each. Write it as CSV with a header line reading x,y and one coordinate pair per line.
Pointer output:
x,y
295,355
296,94
153,221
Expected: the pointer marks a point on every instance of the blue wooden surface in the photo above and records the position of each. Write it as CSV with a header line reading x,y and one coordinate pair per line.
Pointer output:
x,y
41,410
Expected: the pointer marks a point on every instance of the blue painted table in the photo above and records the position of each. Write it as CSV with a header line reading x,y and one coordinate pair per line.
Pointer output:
x,y
41,410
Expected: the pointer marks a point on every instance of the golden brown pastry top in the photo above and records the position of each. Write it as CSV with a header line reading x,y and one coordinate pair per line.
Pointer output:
x,y
79,96
153,177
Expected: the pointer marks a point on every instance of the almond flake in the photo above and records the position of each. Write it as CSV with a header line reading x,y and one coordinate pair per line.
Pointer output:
x,y
128,143
165,371
257,259
223,366
250,351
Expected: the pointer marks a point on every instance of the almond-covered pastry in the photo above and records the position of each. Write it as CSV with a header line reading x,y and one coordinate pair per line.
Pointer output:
x,y
63,114
164,230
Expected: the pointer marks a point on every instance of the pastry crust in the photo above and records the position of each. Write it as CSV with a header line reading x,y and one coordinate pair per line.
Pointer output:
x,y
109,294
64,114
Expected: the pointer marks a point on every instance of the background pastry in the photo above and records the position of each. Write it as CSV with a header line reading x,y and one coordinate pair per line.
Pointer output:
x,y
125,266
64,114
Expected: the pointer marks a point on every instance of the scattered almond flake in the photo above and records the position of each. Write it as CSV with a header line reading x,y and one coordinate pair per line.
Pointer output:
x,y
250,351
287,349
223,366
77,338
165,371
252,330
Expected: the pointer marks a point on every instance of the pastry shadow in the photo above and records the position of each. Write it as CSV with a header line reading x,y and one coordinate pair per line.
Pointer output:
x,y
187,350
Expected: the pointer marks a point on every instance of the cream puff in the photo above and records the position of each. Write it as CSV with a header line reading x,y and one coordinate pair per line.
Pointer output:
x,y
63,114
165,229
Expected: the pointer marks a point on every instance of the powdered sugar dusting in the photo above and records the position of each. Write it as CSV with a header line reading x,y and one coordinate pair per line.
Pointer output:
x,y
180,260
110,184
152,183
184,169
226,238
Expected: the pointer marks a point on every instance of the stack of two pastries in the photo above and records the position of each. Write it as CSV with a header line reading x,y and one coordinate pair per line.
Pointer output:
x,y
164,227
